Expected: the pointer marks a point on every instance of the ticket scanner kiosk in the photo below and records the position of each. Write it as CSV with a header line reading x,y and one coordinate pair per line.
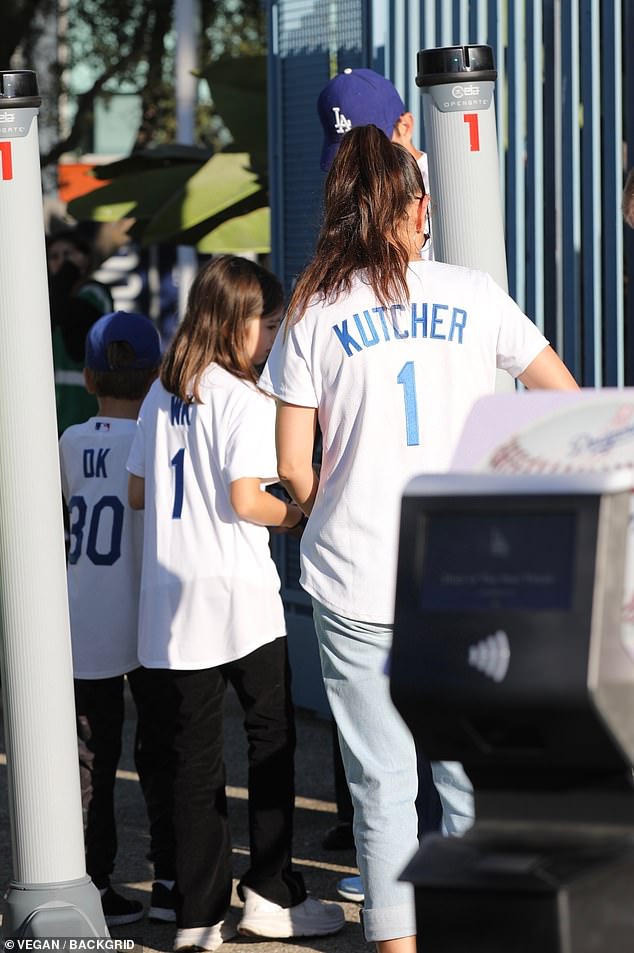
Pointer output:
x,y
512,655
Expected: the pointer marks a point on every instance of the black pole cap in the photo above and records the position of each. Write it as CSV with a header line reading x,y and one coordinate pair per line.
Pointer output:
x,y
455,64
20,87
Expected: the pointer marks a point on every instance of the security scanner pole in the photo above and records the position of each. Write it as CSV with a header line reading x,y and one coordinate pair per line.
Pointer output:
x,y
50,894
511,655
457,85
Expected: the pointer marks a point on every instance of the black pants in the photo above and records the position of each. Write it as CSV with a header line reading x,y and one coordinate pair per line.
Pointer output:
x,y
99,705
262,682
191,722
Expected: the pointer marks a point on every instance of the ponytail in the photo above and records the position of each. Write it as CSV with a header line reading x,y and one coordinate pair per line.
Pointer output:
x,y
367,192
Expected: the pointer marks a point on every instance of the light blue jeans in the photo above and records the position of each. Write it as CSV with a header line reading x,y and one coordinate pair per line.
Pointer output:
x,y
379,757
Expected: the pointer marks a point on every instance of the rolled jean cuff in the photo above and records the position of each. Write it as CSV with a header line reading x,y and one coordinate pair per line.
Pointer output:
x,y
389,923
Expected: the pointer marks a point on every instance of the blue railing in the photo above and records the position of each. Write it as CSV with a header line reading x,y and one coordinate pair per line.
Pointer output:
x,y
565,116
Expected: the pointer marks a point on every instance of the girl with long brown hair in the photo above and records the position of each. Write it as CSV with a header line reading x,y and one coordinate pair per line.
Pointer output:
x,y
210,607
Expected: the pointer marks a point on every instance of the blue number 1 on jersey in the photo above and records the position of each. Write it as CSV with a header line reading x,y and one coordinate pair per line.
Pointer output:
x,y
407,378
178,462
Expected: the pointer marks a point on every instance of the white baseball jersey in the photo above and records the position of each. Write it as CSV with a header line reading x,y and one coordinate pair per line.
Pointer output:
x,y
106,540
210,589
393,388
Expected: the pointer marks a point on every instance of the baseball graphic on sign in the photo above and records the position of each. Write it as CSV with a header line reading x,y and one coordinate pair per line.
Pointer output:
x,y
586,437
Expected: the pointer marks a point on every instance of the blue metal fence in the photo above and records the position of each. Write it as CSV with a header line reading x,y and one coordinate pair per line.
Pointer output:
x,y
565,105
565,114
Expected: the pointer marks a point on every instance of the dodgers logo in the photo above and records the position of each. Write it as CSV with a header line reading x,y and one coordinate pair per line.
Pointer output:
x,y
341,123
617,432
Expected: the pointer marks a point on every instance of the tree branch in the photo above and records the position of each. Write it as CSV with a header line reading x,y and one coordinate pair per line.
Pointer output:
x,y
86,101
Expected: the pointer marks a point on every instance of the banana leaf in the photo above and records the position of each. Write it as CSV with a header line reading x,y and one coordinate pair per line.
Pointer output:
x,y
223,182
138,195
238,90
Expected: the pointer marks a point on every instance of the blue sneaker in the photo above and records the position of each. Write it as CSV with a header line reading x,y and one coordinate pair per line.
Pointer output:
x,y
351,888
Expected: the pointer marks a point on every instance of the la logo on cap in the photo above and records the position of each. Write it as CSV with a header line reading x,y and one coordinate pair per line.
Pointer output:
x,y
341,123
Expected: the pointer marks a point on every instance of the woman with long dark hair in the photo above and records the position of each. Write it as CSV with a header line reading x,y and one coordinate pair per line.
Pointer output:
x,y
388,354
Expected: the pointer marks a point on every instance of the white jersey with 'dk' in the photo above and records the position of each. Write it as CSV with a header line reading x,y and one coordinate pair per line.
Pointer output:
x,y
106,540
210,589
393,387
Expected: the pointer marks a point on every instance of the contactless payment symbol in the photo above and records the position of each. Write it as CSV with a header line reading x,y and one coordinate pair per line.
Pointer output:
x,y
491,656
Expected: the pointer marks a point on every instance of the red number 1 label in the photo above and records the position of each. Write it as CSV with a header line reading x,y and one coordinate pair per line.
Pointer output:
x,y
6,161
474,131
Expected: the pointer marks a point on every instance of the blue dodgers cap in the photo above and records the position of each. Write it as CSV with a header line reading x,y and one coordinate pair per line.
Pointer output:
x,y
356,97
134,329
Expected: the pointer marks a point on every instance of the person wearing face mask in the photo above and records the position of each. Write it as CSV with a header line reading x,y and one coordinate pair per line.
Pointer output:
x,y
388,353
356,97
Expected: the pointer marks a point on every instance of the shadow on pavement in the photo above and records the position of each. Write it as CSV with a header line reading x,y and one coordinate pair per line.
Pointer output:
x,y
315,813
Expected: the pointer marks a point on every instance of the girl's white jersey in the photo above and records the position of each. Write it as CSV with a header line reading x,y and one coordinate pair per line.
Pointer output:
x,y
210,589
393,388
106,540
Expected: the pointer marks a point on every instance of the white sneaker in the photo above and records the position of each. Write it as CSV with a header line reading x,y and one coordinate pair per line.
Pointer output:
x,y
312,917
204,938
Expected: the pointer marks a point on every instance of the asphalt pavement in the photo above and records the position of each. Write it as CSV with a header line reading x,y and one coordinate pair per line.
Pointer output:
x,y
315,813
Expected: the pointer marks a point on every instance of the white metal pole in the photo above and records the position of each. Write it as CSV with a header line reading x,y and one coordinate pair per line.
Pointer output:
x,y
50,894
186,84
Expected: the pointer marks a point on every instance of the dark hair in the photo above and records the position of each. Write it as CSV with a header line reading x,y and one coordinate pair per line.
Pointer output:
x,y
225,293
80,242
125,382
370,184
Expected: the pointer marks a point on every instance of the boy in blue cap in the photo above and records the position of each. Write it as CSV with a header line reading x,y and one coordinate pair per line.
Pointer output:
x,y
104,571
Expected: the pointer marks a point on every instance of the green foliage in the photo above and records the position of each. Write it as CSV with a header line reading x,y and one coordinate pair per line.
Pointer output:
x,y
23,24
128,46
111,46
232,28
238,89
